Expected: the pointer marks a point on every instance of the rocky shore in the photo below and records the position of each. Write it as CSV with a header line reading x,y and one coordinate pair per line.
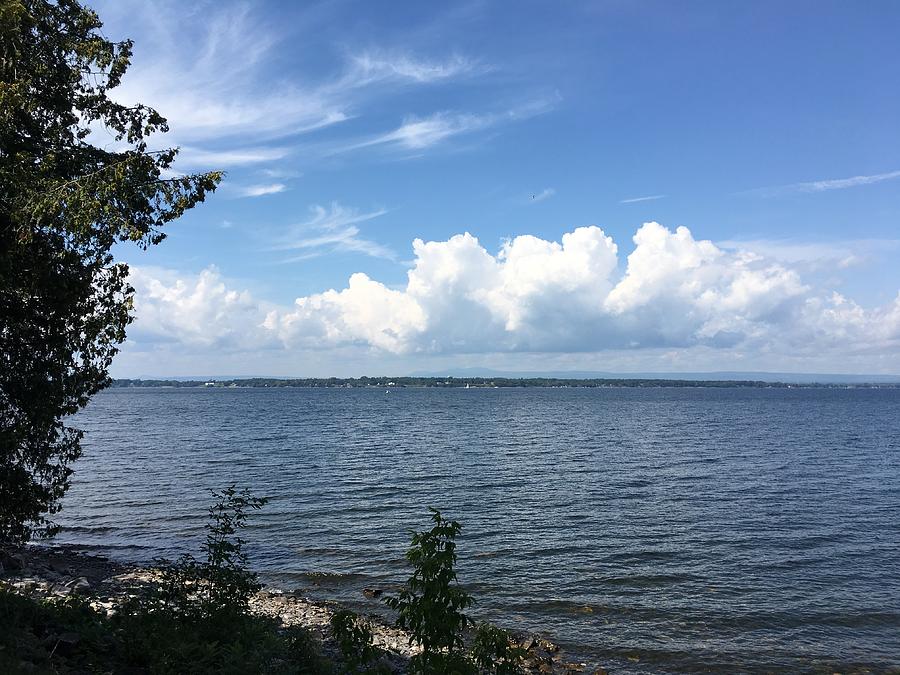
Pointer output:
x,y
48,572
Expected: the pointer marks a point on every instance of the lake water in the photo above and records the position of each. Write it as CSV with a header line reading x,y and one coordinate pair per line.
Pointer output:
x,y
647,530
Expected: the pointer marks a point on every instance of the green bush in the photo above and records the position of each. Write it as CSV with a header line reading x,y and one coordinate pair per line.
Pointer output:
x,y
354,639
431,608
199,613
221,584
196,620
492,651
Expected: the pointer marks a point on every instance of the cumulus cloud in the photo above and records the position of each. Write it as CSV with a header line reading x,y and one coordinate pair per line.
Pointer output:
x,y
537,296
194,311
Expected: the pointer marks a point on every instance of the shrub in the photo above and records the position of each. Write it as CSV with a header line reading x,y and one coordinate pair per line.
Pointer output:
x,y
354,639
493,652
221,584
198,618
431,608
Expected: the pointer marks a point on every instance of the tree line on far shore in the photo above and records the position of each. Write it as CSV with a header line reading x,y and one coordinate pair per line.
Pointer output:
x,y
485,383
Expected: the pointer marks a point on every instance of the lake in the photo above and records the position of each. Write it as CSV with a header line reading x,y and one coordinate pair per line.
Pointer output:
x,y
646,530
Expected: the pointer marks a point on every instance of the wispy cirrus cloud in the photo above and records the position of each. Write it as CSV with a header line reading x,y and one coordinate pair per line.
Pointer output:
x,y
230,101
418,133
333,228
635,200
814,254
189,157
546,193
260,190
376,66
222,89
823,185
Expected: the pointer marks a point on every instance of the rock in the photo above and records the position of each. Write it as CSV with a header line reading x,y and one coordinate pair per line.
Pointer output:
x,y
10,563
69,638
66,643
528,642
58,567
79,585
547,646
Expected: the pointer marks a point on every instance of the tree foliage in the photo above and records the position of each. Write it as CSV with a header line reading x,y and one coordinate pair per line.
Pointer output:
x,y
64,202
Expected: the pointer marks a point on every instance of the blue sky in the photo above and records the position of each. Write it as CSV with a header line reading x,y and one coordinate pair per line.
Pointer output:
x,y
350,130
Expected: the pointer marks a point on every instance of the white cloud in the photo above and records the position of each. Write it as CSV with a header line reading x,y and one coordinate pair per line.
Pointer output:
x,y
677,294
546,193
215,85
634,200
200,158
825,185
417,133
815,254
260,190
215,75
334,228
376,66
366,312
194,311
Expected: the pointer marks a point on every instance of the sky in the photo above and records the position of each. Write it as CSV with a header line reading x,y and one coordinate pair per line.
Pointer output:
x,y
594,186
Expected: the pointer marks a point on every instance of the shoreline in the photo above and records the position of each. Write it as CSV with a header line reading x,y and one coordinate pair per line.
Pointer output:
x,y
49,572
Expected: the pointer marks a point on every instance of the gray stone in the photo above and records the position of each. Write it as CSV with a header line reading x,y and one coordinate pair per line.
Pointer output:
x,y
79,585
10,563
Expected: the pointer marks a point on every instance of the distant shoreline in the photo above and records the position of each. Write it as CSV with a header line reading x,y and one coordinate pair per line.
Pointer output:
x,y
488,383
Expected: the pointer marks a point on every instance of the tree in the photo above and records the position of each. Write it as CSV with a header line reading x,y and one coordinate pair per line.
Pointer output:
x,y
64,202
